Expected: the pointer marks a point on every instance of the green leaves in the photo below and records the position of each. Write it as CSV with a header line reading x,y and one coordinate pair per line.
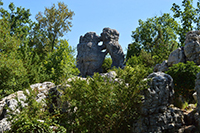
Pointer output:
x,y
183,85
12,75
60,64
156,36
56,21
106,64
104,105
188,16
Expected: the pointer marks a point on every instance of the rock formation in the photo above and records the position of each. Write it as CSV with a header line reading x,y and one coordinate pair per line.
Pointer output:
x,y
190,52
11,102
192,47
90,56
176,56
110,39
156,115
161,67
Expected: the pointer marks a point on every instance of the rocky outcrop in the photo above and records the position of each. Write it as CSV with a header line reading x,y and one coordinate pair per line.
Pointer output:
x,y
156,114
176,56
161,67
12,103
90,56
190,52
110,39
192,47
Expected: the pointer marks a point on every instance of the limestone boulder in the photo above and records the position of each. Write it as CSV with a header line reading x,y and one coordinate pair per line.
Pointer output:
x,y
11,102
110,39
176,56
156,114
161,67
192,47
90,56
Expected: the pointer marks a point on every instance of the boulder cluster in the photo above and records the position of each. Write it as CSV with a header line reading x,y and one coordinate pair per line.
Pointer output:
x,y
190,52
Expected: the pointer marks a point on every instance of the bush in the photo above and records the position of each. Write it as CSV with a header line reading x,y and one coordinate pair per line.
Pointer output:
x,y
184,76
106,65
12,75
144,58
97,104
60,64
103,105
36,72
135,61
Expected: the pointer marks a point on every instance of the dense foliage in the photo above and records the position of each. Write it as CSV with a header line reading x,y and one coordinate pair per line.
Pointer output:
x,y
97,104
26,52
184,76
106,64
189,18
32,52
156,36
160,35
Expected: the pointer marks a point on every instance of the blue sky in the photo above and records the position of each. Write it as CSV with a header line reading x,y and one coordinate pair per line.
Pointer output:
x,y
94,15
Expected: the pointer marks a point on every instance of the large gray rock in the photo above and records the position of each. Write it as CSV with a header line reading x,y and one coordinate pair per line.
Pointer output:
x,y
176,56
4,125
156,114
192,47
90,56
11,102
110,39
161,67
160,93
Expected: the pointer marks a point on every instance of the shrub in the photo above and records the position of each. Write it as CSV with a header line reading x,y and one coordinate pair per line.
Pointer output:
x,y
103,105
97,104
60,64
144,58
184,76
106,65
36,72
12,75
136,61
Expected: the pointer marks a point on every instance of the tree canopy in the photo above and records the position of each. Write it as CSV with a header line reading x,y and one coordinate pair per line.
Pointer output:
x,y
55,21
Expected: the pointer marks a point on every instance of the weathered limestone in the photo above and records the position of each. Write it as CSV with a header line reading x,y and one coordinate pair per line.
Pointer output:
x,y
161,67
110,39
176,56
156,115
90,56
192,47
12,103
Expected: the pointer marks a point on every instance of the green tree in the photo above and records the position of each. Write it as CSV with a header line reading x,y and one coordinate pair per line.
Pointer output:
x,y
156,36
55,21
39,42
13,75
60,64
19,21
188,16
